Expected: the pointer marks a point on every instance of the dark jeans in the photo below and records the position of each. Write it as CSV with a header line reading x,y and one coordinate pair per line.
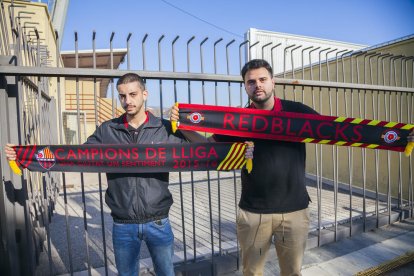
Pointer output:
x,y
158,236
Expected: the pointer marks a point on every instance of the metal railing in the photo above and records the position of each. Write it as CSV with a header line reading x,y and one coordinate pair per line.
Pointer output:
x,y
377,186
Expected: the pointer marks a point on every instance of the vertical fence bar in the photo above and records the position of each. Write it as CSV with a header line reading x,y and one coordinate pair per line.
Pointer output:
x,y
188,67
271,54
96,100
6,43
234,172
388,153
284,59
335,154
303,69
357,54
264,46
320,186
160,69
61,141
316,146
241,66
215,70
241,105
43,187
218,173
85,223
399,119
362,150
346,114
179,173
128,52
388,117
376,114
191,173
250,49
293,69
228,68
208,172
310,62
203,92
144,63
284,67
111,53
46,218
292,60
349,113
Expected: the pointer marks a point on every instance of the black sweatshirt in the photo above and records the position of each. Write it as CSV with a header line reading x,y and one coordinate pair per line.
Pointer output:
x,y
277,181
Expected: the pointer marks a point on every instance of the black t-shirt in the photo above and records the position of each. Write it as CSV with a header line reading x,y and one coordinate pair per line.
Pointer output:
x,y
277,181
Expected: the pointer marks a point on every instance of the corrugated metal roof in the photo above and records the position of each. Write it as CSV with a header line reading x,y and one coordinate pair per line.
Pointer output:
x,y
384,44
286,51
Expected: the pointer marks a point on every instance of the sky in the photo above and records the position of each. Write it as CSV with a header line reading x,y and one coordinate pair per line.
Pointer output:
x,y
366,22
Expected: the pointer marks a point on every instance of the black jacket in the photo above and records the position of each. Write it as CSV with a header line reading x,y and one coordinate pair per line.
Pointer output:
x,y
277,181
137,197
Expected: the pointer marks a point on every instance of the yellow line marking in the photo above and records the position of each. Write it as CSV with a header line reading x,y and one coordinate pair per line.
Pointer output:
x,y
307,140
390,124
408,127
372,146
356,121
373,123
340,143
340,119
356,144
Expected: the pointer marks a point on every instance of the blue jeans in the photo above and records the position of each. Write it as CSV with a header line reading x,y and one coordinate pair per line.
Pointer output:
x,y
158,236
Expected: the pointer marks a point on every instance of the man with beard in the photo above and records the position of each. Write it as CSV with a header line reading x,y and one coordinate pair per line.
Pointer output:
x,y
274,200
139,202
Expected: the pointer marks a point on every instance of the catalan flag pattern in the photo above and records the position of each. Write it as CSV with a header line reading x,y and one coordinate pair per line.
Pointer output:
x,y
234,159
46,155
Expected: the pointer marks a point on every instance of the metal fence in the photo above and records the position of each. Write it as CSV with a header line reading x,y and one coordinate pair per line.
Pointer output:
x,y
354,189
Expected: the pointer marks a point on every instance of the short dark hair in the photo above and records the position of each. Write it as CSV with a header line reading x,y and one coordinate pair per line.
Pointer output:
x,y
256,64
131,77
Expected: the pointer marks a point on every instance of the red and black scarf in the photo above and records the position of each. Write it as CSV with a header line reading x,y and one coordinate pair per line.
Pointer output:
x,y
132,158
294,127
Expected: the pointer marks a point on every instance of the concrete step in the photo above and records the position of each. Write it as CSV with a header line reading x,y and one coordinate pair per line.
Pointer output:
x,y
353,254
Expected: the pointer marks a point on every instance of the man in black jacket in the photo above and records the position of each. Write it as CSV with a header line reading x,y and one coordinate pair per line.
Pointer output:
x,y
274,200
139,202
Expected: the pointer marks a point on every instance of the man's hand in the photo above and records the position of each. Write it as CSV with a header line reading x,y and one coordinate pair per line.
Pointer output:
x,y
10,152
410,145
410,137
174,113
248,154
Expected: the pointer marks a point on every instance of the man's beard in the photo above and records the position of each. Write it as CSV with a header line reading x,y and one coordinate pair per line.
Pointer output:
x,y
135,111
260,101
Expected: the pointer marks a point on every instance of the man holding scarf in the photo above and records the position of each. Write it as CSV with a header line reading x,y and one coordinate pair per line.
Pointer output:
x,y
139,202
274,200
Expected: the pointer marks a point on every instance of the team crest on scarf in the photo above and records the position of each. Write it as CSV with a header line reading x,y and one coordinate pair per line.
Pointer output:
x,y
46,158
195,117
390,136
